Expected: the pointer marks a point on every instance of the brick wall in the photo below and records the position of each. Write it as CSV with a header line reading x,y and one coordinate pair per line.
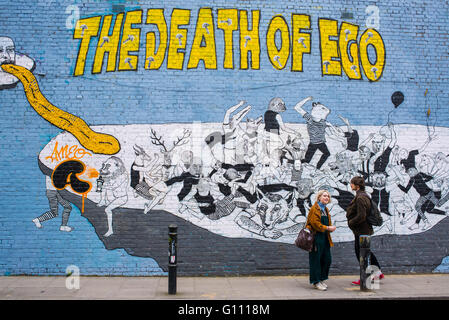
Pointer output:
x,y
139,90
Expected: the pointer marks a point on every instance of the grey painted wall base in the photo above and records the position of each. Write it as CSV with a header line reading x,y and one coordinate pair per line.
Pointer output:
x,y
203,253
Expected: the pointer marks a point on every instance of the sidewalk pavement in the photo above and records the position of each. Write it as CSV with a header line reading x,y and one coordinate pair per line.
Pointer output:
x,y
410,286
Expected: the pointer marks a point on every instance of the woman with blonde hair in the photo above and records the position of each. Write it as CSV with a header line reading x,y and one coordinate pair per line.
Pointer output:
x,y
319,222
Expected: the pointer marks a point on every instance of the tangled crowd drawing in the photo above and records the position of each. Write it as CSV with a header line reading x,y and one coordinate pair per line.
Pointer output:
x,y
257,177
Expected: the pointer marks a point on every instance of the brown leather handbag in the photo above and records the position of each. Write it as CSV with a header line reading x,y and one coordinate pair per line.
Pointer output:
x,y
305,239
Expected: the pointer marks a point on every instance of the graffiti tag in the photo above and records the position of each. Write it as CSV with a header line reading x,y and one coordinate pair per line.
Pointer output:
x,y
66,152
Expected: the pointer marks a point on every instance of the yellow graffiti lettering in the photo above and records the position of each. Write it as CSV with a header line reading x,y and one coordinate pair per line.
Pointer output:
x,y
130,41
203,47
278,57
117,42
349,50
178,39
85,29
372,38
227,20
154,60
329,48
249,40
300,40
108,43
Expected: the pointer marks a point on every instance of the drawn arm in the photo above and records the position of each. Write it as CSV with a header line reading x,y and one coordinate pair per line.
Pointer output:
x,y
283,126
300,104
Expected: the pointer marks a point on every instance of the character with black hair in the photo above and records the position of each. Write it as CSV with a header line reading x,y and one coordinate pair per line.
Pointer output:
x,y
316,128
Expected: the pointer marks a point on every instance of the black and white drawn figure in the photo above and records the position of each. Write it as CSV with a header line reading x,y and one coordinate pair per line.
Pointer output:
x,y
429,198
351,136
152,185
436,166
270,219
362,161
138,183
54,199
8,55
223,144
115,186
186,161
302,194
418,181
383,143
206,201
343,168
251,148
403,210
188,178
294,149
167,166
274,126
350,143
200,201
317,125
441,166
271,171
235,184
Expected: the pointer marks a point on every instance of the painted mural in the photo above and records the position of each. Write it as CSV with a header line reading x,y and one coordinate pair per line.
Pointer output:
x,y
241,178
253,169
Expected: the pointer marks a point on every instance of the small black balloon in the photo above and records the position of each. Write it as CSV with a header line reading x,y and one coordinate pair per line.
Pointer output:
x,y
397,98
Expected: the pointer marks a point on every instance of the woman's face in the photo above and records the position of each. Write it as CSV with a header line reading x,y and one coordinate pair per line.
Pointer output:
x,y
324,198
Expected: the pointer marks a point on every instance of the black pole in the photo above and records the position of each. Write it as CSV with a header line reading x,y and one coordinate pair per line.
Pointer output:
x,y
365,243
172,257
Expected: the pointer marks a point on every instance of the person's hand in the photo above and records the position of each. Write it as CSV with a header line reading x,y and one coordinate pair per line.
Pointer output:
x,y
345,120
331,228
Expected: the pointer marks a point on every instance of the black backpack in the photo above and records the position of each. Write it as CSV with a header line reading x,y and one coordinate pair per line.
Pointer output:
x,y
374,217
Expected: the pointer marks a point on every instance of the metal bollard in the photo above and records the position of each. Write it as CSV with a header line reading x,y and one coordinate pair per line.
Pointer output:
x,y
172,257
365,252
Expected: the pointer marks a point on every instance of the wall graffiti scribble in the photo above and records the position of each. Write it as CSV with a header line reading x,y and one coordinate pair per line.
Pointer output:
x,y
67,152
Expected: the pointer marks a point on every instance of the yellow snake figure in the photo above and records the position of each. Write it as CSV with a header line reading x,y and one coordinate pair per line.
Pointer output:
x,y
91,140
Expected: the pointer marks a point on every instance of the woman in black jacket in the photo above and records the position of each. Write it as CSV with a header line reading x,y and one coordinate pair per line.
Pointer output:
x,y
356,215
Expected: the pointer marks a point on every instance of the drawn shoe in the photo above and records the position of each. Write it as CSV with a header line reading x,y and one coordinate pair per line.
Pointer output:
x,y
66,228
426,225
37,223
